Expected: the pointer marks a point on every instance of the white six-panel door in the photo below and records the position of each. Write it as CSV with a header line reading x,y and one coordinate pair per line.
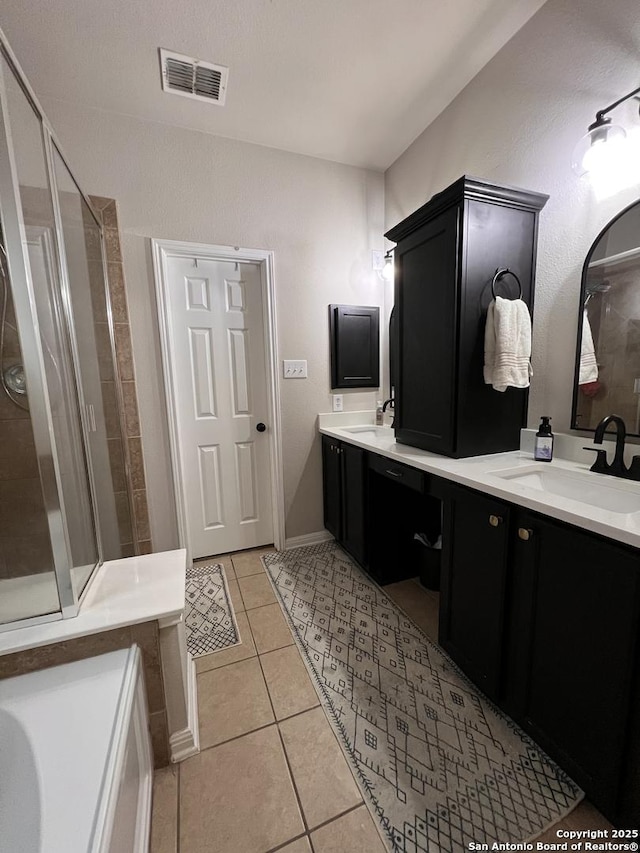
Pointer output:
x,y
216,335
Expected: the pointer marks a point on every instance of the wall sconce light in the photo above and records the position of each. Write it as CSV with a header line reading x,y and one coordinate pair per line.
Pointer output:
x,y
602,143
387,270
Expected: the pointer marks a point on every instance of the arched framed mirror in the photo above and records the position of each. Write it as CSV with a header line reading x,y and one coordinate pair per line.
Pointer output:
x,y
607,372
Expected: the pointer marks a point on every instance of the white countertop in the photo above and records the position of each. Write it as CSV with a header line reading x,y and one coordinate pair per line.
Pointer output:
x,y
124,592
476,473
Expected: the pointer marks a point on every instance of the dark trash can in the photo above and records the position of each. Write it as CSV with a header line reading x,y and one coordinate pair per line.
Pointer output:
x,y
428,560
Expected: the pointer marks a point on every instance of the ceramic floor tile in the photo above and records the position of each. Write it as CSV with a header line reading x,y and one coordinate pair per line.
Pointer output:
x,y
232,701
584,816
227,564
289,685
587,816
220,559
248,562
164,817
238,797
355,832
256,591
243,650
432,593
419,605
427,617
300,846
234,593
269,628
322,776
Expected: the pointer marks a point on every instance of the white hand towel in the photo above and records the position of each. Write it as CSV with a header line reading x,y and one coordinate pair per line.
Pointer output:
x,y
507,344
588,364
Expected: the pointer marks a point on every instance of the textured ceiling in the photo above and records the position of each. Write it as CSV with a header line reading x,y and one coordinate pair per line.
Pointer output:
x,y
348,80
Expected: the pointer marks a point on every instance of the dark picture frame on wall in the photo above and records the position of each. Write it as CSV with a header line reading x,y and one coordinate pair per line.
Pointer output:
x,y
354,334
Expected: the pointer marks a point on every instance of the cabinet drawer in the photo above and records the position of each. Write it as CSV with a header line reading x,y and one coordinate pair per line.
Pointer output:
x,y
410,477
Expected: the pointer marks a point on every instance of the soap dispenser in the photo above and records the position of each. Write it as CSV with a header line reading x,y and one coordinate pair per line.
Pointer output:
x,y
379,414
543,448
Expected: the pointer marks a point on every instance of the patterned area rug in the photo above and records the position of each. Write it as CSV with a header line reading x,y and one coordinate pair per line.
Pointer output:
x,y
209,620
438,764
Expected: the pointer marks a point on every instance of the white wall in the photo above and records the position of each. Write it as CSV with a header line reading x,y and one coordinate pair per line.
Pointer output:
x,y
321,219
517,123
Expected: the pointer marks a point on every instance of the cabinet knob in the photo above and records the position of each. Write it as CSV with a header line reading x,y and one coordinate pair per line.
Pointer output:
x,y
495,520
525,534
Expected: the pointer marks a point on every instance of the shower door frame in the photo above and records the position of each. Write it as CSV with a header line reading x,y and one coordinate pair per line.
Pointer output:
x,y
33,361
23,295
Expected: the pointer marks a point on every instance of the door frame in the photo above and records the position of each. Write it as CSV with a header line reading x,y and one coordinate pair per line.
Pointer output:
x,y
162,250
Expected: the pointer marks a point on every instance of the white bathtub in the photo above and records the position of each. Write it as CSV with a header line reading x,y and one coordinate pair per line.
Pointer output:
x,y
75,758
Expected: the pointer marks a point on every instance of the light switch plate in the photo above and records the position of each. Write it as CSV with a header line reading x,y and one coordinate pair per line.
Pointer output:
x,y
295,369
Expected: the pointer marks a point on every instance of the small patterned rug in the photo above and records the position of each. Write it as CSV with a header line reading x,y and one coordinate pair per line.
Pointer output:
x,y
209,619
439,766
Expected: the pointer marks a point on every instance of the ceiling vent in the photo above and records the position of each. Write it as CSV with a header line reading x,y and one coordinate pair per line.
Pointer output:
x,y
186,76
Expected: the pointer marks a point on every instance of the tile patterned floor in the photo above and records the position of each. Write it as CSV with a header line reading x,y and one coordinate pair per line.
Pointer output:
x,y
271,776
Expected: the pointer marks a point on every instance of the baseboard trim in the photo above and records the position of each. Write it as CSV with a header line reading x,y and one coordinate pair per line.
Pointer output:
x,y
308,539
186,742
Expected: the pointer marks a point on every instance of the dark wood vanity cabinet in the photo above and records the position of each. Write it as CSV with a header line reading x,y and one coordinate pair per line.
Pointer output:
x,y
473,584
344,472
446,257
545,618
374,506
573,650
332,485
400,506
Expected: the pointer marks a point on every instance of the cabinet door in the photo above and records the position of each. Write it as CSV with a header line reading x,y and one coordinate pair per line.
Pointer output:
x,y
472,597
573,648
354,470
426,306
355,346
332,483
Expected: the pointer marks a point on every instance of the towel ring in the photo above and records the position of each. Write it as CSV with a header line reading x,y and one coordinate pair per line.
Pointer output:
x,y
499,274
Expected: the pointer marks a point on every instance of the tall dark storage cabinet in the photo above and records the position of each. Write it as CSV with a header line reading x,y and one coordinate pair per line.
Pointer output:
x,y
445,260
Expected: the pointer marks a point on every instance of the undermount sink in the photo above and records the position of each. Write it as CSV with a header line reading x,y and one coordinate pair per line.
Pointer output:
x,y
618,496
370,431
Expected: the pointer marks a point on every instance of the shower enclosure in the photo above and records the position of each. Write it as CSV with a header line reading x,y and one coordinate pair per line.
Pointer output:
x,y
61,509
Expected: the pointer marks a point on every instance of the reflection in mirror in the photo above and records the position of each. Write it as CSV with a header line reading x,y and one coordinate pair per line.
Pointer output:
x,y
607,379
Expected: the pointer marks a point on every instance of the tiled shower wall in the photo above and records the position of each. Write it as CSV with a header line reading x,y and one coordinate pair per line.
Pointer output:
x,y
21,503
24,533
126,460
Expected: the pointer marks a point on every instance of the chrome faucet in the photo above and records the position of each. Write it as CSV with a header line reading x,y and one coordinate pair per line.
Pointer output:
x,y
617,468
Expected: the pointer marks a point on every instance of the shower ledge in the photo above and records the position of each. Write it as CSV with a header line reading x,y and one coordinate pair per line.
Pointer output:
x,y
127,592
123,592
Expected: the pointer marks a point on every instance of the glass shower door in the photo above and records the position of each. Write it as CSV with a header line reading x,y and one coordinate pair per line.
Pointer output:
x,y
51,498
90,312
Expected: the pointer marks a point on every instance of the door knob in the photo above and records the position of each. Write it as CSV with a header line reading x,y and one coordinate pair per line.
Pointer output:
x,y
525,534
261,427
495,520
